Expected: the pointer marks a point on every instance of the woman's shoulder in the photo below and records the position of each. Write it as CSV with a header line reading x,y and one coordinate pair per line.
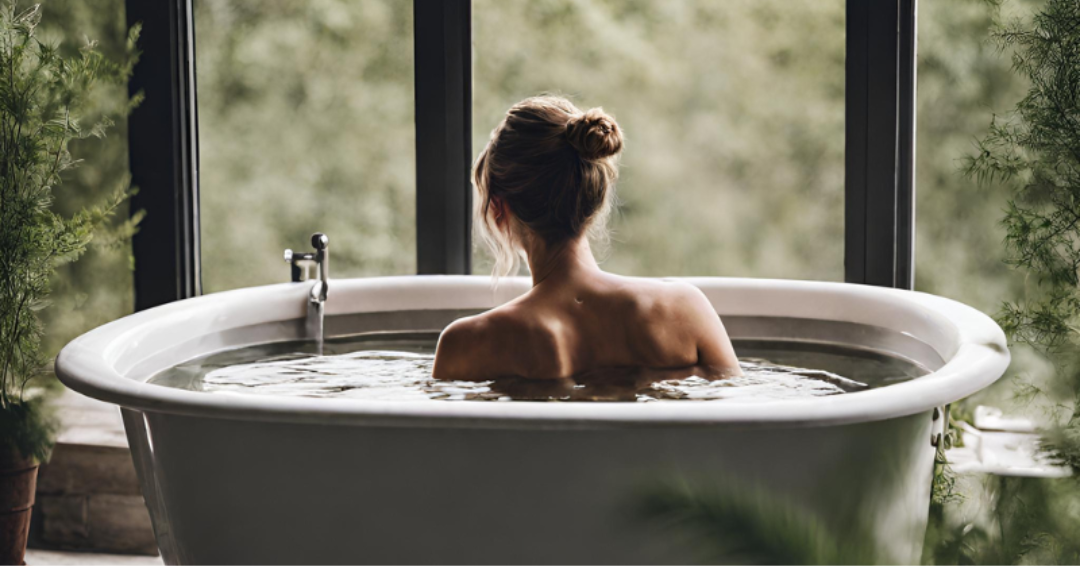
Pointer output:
x,y
503,341
659,296
493,323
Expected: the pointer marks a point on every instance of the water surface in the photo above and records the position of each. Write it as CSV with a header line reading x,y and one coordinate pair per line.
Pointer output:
x,y
398,368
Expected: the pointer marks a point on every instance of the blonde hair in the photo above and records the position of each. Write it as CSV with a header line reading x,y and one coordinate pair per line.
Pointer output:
x,y
554,167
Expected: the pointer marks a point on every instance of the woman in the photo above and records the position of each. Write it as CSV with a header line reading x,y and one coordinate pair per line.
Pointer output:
x,y
545,182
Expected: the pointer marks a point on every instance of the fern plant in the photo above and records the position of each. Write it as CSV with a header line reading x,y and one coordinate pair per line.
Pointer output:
x,y
43,96
734,523
1037,148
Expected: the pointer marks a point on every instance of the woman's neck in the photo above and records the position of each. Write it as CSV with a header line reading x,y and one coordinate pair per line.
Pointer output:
x,y
562,261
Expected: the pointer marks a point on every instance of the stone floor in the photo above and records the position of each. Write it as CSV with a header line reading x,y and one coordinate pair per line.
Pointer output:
x,y
46,557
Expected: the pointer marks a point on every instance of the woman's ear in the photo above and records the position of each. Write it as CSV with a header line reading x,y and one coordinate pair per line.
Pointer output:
x,y
499,211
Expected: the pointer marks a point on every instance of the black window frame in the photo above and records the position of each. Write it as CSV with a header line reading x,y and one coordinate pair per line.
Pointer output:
x,y
879,194
163,154
879,144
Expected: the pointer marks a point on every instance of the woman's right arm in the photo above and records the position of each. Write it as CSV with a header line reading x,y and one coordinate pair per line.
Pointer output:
x,y
714,346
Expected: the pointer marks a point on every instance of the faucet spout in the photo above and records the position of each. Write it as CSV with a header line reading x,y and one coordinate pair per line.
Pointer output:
x,y
321,243
301,265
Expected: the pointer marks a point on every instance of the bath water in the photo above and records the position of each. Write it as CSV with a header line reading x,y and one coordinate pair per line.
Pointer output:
x,y
397,367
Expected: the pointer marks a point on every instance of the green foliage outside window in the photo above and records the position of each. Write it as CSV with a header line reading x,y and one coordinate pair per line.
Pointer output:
x,y
99,287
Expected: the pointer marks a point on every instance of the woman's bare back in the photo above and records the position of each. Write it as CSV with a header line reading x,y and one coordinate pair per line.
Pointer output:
x,y
544,184
588,323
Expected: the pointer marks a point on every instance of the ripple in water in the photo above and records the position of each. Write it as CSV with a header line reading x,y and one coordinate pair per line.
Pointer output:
x,y
403,373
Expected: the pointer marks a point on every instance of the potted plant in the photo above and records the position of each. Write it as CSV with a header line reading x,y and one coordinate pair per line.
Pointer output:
x,y
44,95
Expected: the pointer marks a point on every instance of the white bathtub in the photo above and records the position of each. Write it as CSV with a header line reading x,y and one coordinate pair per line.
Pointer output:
x,y
258,479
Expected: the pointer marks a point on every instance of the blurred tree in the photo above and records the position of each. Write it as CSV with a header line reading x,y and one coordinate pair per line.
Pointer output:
x,y
961,77
97,289
733,112
305,125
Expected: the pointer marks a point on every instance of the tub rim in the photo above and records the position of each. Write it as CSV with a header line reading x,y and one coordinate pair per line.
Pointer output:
x,y
973,346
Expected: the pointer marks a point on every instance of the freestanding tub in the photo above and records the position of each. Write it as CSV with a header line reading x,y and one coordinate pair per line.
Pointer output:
x,y
256,479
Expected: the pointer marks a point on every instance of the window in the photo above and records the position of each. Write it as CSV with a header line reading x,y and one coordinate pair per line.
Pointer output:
x,y
98,288
305,124
767,138
733,113
963,79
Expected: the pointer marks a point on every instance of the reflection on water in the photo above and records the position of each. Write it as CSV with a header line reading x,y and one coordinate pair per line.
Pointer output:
x,y
398,368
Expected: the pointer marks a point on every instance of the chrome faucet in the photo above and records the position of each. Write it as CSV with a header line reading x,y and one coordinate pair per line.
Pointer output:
x,y
301,264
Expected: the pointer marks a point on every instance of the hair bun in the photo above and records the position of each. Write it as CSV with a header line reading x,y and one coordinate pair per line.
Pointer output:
x,y
594,134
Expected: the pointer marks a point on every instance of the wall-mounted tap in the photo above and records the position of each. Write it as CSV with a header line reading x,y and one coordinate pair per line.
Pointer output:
x,y
302,263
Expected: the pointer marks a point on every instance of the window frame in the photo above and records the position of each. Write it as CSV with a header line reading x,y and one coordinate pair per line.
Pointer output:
x,y
879,187
442,39
163,154
879,145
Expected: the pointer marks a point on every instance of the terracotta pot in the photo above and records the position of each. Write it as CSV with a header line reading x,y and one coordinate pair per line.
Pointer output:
x,y
18,480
